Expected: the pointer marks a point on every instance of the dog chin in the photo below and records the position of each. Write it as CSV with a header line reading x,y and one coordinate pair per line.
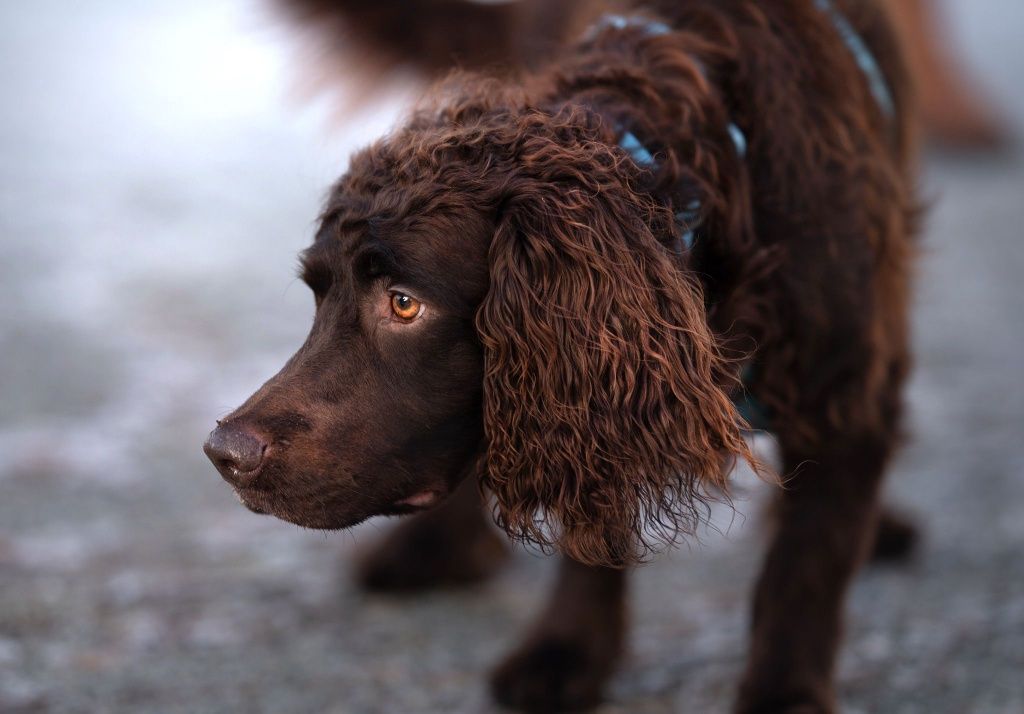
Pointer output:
x,y
252,502
264,504
261,504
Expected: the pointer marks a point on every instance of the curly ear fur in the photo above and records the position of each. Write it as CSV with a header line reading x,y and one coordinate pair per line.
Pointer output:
x,y
605,394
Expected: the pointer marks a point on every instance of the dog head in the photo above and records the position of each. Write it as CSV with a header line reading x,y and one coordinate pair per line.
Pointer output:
x,y
495,299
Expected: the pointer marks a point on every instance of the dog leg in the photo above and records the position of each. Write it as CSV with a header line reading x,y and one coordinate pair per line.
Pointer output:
x,y
449,546
569,655
827,519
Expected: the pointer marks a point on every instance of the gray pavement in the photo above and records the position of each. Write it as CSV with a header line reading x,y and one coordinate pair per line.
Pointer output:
x,y
156,182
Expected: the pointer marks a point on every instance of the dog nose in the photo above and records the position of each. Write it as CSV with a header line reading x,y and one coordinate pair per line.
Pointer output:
x,y
236,451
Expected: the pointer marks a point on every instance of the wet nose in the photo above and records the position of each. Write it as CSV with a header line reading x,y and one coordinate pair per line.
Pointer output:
x,y
236,451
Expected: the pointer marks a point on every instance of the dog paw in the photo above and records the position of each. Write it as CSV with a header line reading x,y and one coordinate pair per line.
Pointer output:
x,y
791,704
551,674
896,538
418,556
785,708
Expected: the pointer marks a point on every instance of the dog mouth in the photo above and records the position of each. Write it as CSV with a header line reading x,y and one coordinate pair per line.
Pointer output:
x,y
263,503
421,500
252,502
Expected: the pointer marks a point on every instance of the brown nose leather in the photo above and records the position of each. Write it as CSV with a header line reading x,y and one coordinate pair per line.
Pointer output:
x,y
237,452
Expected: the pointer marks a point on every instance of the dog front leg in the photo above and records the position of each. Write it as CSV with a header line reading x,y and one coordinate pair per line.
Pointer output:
x,y
827,519
572,650
452,545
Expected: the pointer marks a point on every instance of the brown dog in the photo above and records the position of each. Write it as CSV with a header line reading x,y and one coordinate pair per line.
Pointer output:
x,y
553,284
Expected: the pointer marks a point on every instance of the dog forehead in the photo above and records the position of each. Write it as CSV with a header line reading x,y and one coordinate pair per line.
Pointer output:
x,y
431,234
444,260
447,258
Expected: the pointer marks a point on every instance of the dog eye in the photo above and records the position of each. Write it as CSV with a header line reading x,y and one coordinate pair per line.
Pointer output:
x,y
405,307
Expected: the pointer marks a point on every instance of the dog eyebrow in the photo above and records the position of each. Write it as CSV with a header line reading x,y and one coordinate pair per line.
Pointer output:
x,y
360,240
372,258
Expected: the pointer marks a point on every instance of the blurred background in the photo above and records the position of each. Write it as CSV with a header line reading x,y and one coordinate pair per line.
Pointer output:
x,y
158,175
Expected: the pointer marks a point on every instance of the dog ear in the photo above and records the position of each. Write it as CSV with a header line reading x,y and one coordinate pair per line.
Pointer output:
x,y
605,394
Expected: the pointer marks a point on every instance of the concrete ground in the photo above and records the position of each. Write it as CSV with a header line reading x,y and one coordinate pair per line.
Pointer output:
x,y
155,185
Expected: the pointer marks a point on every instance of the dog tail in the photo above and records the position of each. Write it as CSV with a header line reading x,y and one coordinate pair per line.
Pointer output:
x,y
433,36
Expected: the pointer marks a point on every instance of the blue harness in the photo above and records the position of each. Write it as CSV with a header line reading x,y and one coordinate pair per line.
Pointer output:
x,y
689,219
863,55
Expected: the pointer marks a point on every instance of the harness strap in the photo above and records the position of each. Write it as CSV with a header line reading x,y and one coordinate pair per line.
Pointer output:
x,y
863,55
688,219
623,22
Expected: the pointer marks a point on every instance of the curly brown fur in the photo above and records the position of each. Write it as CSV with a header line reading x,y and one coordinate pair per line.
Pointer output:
x,y
579,364
605,394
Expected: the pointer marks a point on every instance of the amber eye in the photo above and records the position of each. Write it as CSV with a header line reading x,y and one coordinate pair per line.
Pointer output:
x,y
405,307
